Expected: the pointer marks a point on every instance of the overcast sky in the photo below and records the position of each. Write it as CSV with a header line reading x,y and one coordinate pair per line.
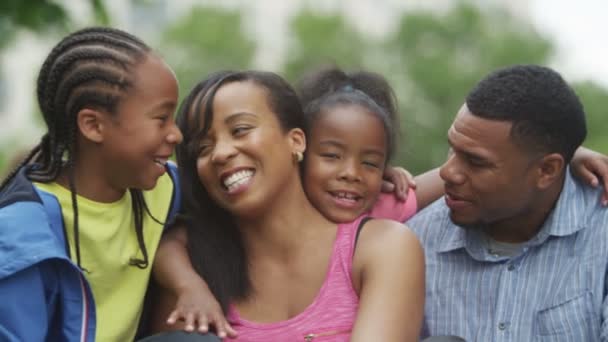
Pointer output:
x,y
580,30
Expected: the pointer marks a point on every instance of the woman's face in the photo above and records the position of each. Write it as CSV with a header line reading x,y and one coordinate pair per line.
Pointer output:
x,y
245,159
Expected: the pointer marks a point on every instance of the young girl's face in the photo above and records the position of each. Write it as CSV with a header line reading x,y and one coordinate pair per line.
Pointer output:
x,y
141,136
345,161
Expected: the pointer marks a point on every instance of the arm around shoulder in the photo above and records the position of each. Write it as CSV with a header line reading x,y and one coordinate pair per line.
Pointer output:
x,y
388,270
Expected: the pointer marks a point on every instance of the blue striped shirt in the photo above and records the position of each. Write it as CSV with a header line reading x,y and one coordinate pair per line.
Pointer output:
x,y
553,290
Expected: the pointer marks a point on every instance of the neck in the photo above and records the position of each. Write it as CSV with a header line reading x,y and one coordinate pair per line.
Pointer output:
x,y
284,225
527,224
91,180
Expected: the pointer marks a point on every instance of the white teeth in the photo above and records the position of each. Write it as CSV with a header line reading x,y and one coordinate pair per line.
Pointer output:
x,y
237,178
161,162
345,195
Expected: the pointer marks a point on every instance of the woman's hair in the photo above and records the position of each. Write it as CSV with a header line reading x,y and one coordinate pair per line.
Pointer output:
x,y
327,88
215,243
90,68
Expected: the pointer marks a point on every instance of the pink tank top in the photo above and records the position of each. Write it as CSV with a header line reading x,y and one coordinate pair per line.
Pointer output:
x,y
331,315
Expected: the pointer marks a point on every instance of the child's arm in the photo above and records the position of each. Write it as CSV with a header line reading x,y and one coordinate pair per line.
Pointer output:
x,y
591,167
428,186
192,301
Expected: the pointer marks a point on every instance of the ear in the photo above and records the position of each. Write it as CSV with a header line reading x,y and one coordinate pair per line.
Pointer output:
x,y
297,140
90,123
550,170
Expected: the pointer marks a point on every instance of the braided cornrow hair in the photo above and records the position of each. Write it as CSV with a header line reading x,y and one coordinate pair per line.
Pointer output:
x,y
92,68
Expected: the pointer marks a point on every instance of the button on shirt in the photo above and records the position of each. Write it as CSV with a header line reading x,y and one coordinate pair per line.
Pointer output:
x,y
554,289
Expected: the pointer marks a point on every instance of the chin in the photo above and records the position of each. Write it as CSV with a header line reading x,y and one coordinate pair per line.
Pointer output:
x,y
466,223
340,217
149,185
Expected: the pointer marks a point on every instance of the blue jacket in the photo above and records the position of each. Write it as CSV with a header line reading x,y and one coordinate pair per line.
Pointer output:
x,y
43,294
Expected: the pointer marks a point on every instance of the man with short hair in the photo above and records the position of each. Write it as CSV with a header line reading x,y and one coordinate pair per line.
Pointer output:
x,y
518,249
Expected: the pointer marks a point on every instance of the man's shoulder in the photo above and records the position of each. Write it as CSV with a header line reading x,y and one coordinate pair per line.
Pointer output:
x,y
584,202
435,212
431,222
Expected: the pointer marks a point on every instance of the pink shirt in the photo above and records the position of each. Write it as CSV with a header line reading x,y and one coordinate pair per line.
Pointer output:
x,y
388,207
332,314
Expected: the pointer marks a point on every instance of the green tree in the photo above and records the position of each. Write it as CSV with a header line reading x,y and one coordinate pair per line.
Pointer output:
x,y
206,40
41,17
441,58
321,40
595,101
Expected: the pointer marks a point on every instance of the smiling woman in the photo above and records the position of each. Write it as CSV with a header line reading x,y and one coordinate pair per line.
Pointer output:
x,y
251,228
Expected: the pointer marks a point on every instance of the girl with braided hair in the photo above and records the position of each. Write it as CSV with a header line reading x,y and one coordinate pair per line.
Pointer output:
x,y
82,215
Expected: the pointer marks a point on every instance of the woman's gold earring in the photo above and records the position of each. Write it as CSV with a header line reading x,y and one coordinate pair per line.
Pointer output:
x,y
297,157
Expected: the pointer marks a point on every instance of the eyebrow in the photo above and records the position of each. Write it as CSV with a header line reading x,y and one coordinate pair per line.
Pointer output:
x,y
335,143
235,116
330,142
468,154
167,104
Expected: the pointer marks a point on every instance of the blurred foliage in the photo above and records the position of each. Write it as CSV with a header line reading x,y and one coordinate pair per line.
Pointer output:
x,y
206,40
442,58
595,101
36,15
432,60
321,40
39,16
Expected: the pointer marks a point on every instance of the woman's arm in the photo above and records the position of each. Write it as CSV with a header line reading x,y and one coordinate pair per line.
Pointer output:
x,y
185,300
388,273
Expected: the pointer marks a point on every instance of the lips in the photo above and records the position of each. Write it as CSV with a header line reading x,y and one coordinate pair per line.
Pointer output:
x,y
455,201
235,180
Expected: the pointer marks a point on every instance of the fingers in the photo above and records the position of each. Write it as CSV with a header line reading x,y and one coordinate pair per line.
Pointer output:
x,y
605,192
387,186
203,324
173,317
189,322
222,327
411,181
230,330
588,176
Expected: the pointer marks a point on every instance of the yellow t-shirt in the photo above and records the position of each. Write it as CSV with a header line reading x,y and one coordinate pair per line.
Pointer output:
x,y
107,242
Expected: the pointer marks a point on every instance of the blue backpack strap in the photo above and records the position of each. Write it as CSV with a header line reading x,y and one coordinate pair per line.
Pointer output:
x,y
53,211
176,199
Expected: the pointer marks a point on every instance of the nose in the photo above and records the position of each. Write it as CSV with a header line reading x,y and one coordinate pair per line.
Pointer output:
x,y
223,151
350,171
451,171
175,135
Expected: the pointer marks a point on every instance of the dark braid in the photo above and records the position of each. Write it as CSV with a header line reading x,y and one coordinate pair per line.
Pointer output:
x,y
90,68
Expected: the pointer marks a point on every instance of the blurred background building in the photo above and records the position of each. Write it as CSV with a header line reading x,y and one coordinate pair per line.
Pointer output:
x,y
432,52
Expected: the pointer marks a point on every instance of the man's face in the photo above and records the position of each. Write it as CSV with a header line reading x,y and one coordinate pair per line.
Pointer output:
x,y
489,180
